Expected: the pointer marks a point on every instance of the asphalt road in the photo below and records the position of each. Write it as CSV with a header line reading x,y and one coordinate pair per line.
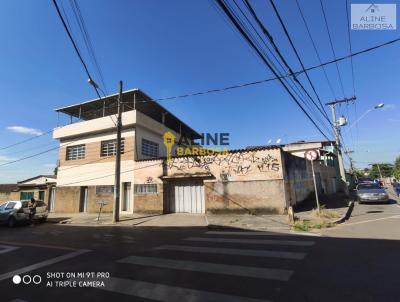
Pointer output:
x,y
353,262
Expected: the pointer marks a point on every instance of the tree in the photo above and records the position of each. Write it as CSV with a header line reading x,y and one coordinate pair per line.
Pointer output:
x,y
396,169
378,170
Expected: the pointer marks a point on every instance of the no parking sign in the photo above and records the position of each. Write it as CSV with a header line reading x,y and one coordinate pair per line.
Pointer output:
x,y
311,155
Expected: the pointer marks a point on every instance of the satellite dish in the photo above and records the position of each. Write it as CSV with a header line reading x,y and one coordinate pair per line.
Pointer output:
x,y
278,140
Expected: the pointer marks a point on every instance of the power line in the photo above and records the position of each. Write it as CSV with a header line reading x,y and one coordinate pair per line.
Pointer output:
x,y
108,175
235,23
223,89
271,40
27,157
74,44
333,49
315,49
352,66
26,140
297,91
297,55
88,42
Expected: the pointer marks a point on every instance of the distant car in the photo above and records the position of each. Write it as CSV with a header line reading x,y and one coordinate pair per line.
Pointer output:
x,y
371,192
17,211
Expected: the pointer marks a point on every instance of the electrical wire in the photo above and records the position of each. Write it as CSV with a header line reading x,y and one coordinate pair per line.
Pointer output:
x,y
271,40
245,36
333,49
297,55
88,42
316,50
227,88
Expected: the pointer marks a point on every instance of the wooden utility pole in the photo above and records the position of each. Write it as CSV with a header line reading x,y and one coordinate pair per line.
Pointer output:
x,y
336,129
117,188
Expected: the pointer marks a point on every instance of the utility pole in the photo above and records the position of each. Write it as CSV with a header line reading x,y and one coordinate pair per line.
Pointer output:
x,y
336,129
117,189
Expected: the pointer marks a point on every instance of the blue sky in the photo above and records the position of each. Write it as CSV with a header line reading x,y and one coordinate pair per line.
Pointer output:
x,y
169,48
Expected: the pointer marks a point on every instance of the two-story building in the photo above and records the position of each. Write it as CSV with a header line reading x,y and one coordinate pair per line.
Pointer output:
x,y
257,179
86,170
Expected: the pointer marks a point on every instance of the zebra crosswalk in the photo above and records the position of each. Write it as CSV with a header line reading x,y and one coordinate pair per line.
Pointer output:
x,y
184,271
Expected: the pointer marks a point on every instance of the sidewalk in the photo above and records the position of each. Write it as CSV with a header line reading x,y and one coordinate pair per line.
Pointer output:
x,y
336,205
145,220
273,223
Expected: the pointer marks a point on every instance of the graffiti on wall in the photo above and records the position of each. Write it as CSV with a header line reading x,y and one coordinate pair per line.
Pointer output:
x,y
232,163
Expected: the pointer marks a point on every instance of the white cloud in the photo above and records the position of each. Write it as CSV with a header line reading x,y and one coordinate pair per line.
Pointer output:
x,y
389,106
25,130
4,158
49,165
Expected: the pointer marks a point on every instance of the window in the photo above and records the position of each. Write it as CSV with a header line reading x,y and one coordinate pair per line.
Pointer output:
x,y
2,206
75,152
149,148
26,195
10,205
146,189
104,190
109,147
41,195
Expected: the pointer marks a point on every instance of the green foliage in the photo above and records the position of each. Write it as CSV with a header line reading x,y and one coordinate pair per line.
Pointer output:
x,y
396,169
377,169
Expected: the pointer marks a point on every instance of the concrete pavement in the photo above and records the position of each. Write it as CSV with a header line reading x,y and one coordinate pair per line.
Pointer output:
x,y
356,261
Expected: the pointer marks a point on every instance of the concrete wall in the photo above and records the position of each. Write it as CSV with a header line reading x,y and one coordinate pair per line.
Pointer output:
x,y
238,181
299,182
67,200
262,196
150,202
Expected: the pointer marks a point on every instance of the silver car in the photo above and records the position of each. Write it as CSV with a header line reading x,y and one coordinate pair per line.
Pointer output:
x,y
371,192
17,211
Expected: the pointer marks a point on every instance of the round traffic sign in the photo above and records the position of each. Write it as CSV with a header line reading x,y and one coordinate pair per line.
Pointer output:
x,y
311,155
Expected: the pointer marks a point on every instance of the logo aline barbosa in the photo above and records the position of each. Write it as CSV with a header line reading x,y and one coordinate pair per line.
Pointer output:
x,y
169,141
185,150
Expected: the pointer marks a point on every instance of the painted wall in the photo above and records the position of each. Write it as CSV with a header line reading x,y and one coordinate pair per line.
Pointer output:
x,y
238,181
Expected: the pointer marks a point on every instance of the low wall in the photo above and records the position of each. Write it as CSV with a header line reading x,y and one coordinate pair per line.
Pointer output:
x,y
150,202
67,200
262,197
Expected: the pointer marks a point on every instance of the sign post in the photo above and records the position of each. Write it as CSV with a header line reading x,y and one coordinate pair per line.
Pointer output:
x,y
312,155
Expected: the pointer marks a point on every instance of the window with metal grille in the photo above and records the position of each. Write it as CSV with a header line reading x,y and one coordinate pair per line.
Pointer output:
x,y
109,148
104,190
145,189
75,152
149,148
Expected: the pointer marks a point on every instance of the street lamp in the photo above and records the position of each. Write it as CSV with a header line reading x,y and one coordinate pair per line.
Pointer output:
x,y
379,106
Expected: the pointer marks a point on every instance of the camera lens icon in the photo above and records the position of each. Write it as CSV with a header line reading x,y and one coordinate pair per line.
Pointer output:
x,y
17,279
27,279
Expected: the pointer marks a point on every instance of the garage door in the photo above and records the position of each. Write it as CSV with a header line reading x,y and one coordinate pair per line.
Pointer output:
x,y
186,196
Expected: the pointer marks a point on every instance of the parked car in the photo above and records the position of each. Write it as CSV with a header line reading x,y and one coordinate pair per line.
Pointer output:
x,y
371,192
17,211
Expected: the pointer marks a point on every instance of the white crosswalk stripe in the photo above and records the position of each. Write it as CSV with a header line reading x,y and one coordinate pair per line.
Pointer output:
x,y
253,241
7,248
206,267
229,251
161,292
241,233
244,247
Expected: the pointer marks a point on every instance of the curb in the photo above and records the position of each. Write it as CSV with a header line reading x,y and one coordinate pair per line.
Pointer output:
x,y
346,215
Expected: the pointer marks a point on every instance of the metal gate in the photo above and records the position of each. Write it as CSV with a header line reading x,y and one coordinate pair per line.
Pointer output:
x,y
186,196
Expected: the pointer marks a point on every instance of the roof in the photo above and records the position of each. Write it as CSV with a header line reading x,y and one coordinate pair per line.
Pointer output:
x,y
36,177
248,149
131,99
8,187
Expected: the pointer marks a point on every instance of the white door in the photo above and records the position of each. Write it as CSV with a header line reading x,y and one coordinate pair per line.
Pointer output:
x,y
187,196
52,199
126,198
